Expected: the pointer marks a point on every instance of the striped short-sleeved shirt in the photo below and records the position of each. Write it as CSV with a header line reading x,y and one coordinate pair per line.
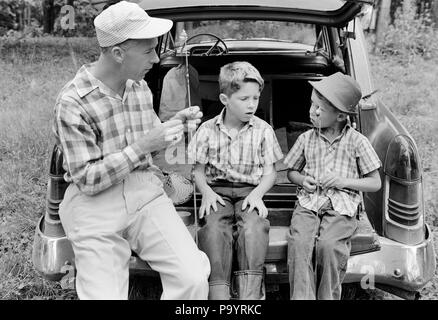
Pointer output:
x,y
97,130
349,155
238,159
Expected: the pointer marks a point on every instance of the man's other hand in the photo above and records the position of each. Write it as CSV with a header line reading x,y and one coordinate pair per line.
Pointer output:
x,y
191,113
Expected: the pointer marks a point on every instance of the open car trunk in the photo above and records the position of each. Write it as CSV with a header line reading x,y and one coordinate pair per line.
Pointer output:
x,y
284,103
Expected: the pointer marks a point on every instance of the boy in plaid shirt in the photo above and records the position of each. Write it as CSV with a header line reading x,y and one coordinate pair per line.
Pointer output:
x,y
327,163
234,155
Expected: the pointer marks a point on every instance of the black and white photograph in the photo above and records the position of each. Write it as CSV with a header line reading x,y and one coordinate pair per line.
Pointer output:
x,y
228,156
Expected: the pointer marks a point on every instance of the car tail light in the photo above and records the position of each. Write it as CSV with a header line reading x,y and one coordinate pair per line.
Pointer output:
x,y
56,187
403,192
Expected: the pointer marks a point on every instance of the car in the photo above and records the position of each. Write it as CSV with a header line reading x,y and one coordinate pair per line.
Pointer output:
x,y
290,42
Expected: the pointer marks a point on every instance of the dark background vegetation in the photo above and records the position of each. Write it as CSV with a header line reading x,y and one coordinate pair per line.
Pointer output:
x,y
38,58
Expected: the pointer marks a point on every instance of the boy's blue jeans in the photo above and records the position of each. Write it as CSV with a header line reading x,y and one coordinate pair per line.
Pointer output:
x,y
229,231
329,234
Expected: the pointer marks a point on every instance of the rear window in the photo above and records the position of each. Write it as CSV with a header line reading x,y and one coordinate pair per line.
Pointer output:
x,y
250,30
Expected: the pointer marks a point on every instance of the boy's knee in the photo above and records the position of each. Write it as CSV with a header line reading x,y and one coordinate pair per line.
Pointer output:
x,y
215,231
326,248
257,225
300,240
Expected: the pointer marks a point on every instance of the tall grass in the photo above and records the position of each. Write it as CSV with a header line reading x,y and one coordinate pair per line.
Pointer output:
x,y
32,74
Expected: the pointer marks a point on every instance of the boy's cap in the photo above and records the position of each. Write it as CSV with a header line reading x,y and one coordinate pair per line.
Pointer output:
x,y
341,90
127,20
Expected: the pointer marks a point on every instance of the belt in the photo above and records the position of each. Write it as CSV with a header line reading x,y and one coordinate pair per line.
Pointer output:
x,y
230,184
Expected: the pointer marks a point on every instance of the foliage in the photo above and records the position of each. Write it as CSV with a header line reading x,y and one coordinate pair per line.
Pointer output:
x,y
84,13
412,34
11,13
12,10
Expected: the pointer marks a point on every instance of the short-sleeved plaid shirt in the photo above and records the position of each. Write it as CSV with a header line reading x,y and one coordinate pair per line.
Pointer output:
x,y
349,155
97,130
239,159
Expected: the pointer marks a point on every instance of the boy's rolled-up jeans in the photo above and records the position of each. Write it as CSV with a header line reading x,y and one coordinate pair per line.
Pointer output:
x,y
324,237
232,229
137,215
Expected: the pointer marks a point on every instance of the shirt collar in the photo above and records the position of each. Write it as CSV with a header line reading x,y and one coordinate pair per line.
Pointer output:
x,y
85,82
220,119
343,131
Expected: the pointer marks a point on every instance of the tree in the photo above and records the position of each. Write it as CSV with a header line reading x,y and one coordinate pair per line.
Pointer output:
x,y
434,11
383,18
48,16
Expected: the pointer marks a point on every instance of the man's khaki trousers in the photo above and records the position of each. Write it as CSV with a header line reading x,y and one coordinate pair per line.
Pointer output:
x,y
134,214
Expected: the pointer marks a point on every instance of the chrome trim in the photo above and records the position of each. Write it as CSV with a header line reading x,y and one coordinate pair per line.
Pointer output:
x,y
51,254
408,267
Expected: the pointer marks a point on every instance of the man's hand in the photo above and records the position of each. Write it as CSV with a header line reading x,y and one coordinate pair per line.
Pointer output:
x,y
309,184
209,199
191,113
255,202
162,136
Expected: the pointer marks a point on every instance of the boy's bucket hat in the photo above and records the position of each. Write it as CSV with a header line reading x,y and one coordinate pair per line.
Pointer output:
x,y
341,90
127,20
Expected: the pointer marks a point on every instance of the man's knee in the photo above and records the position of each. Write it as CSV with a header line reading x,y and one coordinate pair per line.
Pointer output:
x,y
196,275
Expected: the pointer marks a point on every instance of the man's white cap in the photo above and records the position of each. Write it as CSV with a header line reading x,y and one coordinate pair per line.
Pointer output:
x,y
127,20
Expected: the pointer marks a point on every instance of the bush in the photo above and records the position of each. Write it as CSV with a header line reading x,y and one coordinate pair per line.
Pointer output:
x,y
14,14
412,34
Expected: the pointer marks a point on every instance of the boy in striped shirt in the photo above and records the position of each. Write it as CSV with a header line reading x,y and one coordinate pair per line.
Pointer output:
x,y
234,155
331,164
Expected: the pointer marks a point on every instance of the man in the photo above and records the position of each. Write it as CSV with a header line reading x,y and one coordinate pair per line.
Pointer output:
x,y
115,203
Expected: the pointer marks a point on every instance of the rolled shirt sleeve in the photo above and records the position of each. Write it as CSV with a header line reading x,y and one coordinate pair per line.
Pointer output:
x,y
197,150
270,148
295,159
367,158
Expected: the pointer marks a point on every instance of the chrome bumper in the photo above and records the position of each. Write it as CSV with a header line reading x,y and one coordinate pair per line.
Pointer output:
x,y
398,265
403,266
52,257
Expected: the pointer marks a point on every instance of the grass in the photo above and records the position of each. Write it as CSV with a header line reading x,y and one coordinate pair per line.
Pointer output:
x,y
34,72
409,90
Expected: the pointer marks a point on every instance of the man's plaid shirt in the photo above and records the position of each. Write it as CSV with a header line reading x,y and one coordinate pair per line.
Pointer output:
x,y
97,130
239,159
349,156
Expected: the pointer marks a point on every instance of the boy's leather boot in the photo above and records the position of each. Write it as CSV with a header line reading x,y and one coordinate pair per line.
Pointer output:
x,y
249,285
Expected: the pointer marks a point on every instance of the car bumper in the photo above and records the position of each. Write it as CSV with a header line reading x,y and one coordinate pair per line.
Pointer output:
x,y
408,267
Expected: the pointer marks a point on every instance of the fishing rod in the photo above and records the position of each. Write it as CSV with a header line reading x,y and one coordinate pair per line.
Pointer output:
x,y
191,128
